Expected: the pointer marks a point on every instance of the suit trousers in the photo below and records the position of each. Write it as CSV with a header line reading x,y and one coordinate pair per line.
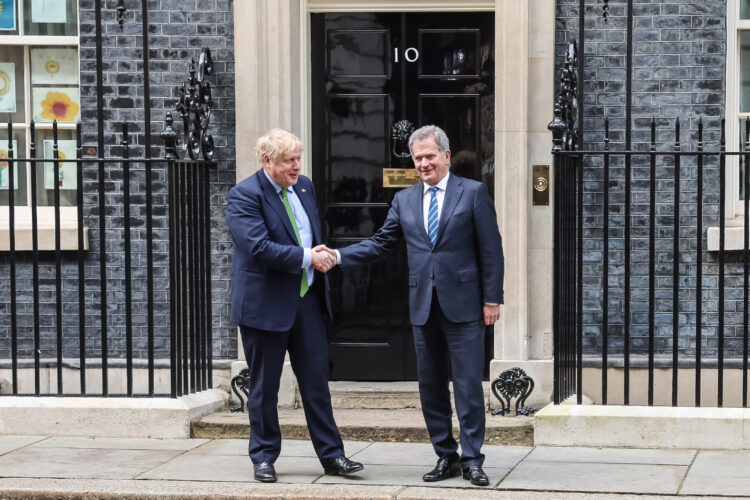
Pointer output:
x,y
307,344
452,350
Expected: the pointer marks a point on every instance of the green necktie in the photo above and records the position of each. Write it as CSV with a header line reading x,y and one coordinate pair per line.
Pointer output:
x,y
304,287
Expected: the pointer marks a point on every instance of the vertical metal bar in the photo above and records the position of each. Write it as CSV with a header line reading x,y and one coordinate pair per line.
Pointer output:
x,y
676,266
605,266
81,269
580,51
35,260
179,282
149,198
746,264
193,270
556,289
207,271
201,288
128,261
102,189
699,269
722,201
185,262
651,261
171,182
579,282
58,258
12,260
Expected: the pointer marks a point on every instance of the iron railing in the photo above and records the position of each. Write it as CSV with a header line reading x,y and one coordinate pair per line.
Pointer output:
x,y
53,329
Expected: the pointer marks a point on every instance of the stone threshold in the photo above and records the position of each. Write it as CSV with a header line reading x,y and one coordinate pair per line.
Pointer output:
x,y
401,425
643,427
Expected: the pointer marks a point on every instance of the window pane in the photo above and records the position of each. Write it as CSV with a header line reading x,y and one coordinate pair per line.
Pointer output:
x,y
19,182
744,71
9,18
50,17
11,84
744,9
742,138
45,177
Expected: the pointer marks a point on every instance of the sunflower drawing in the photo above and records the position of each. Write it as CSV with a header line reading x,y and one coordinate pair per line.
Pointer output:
x,y
3,156
52,66
58,106
1,6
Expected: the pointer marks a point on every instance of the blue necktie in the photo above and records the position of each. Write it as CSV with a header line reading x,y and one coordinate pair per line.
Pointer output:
x,y
432,216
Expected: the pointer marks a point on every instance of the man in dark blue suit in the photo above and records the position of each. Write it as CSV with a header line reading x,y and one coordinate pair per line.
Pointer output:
x,y
455,289
279,298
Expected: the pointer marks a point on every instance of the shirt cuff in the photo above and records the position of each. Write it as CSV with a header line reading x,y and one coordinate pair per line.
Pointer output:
x,y
307,259
338,257
491,304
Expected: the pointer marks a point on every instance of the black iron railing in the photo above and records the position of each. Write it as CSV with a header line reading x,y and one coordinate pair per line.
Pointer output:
x,y
692,301
128,219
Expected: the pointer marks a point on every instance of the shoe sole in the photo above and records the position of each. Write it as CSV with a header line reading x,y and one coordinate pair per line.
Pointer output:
x,y
478,483
266,480
336,472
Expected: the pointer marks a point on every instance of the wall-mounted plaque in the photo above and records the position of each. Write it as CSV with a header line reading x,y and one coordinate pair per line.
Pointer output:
x,y
399,177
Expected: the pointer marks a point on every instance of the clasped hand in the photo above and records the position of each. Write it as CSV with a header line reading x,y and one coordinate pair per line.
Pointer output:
x,y
323,258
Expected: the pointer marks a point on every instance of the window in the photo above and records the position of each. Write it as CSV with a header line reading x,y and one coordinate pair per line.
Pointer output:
x,y
39,81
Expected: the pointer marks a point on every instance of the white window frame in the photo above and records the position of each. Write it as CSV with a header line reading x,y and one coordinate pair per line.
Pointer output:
x,y
45,214
735,210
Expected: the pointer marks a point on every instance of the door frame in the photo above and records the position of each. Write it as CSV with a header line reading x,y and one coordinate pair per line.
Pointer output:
x,y
273,80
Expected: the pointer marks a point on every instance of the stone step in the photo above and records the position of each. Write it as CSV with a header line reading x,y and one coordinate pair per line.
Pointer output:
x,y
376,395
403,425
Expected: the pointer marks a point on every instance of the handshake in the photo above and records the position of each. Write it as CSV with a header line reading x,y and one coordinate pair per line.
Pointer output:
x,y
323,258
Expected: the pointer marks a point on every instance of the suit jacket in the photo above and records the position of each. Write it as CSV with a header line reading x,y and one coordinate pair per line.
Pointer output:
x,y
267,261
466,262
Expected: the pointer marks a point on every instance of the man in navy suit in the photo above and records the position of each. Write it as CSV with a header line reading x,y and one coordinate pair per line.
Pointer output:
x,y
279,299
455,289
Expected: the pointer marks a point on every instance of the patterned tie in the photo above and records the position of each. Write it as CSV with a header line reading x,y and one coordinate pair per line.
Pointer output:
x,y
432,216
305,286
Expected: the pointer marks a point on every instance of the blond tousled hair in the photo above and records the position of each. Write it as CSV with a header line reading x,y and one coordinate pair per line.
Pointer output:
x,y
276,142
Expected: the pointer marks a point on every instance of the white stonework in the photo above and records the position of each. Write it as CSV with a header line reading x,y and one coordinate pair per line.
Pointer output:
x,y
160,418
643,427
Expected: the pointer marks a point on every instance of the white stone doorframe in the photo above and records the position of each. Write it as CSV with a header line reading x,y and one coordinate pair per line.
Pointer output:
x,y
272,51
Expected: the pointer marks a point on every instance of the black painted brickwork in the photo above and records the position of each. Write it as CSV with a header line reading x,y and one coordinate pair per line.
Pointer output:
x,y
178,30
679,69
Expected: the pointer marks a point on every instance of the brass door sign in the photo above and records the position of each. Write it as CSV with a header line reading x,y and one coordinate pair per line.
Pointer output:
x,y
540,180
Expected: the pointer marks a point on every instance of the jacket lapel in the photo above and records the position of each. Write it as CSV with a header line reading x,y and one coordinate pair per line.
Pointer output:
x,y
417,207
453,193
308,202
273,199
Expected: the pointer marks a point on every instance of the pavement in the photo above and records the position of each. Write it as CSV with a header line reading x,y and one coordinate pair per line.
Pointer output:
x,y
109,468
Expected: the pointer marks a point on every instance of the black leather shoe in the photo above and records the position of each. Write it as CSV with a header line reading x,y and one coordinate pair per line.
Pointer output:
x,y
476,475
443,470
340,466
264,472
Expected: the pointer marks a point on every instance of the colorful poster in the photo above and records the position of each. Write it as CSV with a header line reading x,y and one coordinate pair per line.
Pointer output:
x,y
8,15
67,178
7,88
48,11
4,166
56,66
56,103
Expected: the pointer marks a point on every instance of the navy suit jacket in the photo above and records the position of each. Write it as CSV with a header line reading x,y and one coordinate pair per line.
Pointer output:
x,y
267,262
466,262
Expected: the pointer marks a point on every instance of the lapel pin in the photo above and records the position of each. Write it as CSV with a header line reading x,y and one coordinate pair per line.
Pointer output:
x,y
304,190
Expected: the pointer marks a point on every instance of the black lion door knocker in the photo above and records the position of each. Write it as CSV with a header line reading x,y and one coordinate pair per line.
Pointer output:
x,y
400,132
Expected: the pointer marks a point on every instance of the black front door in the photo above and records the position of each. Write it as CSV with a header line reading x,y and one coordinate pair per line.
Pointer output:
x,y
370,72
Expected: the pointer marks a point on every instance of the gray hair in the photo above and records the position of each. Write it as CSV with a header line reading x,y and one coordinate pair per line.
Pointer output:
x,y
427,132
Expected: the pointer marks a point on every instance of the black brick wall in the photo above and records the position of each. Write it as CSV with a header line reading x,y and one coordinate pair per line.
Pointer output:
x,y
679,69
178,30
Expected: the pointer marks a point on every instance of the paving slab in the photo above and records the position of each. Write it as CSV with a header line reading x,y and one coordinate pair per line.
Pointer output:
x,y
611,455
595,477
289,448
10,443
719,472
220,468
81,463
121,443
406,475
500,457
416,493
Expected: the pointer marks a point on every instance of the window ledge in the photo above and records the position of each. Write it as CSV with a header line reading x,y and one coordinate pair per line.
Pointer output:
x,y
46,237
734,238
